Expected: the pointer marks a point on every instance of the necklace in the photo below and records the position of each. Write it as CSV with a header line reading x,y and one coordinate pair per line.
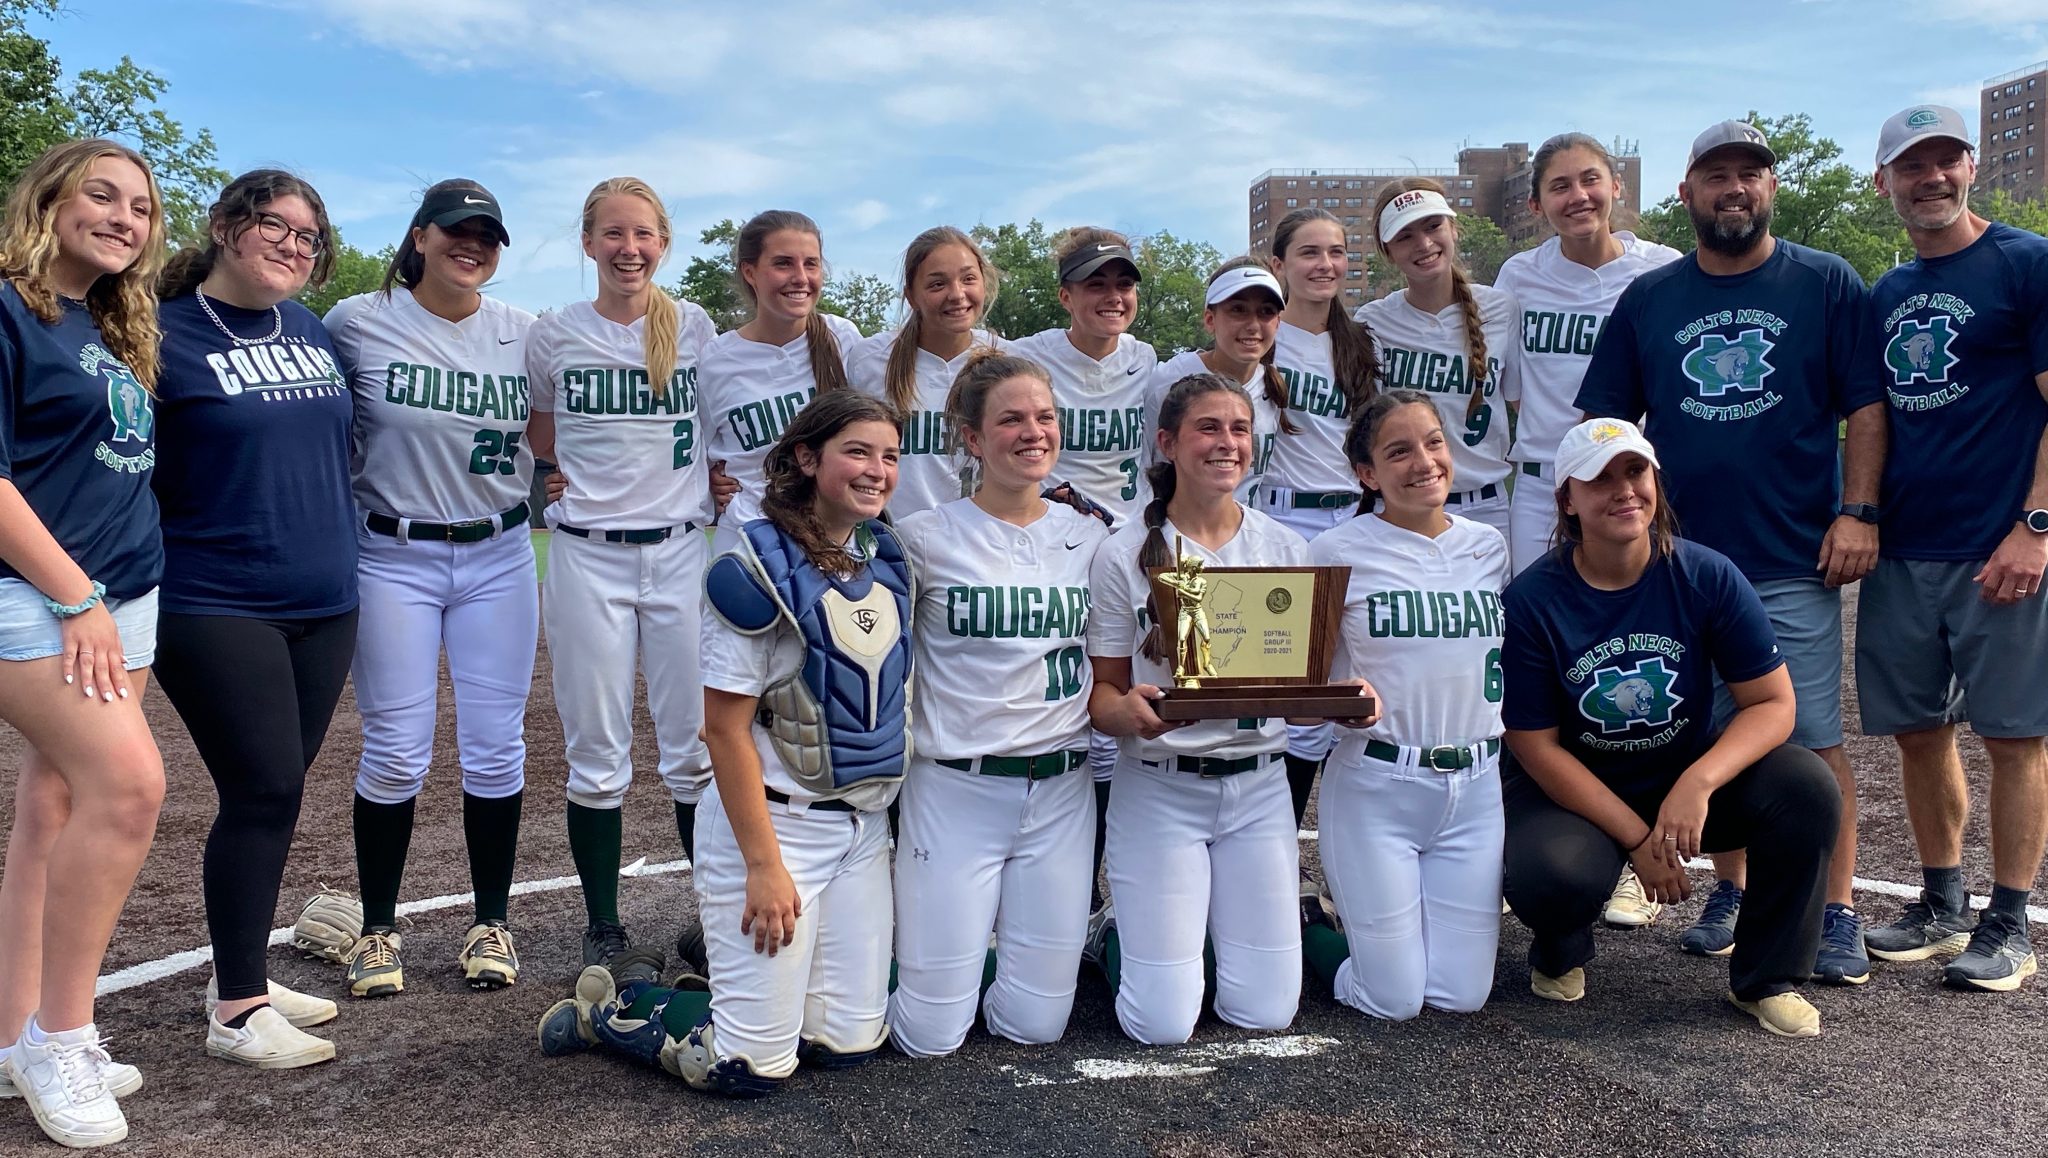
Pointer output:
x,y
276,315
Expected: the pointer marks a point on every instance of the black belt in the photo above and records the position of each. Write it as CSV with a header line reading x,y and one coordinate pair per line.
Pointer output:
x,y
1534,468
1323,500
1442,758
775,797
1490,490
473,531
1212,767
635,538
1040,767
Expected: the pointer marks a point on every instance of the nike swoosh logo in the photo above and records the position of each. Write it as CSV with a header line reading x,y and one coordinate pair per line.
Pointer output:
x,y
474,201
1074,546
506,341
1104,248
1130,371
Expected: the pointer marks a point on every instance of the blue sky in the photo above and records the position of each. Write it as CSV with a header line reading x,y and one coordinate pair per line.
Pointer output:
x,y
881,119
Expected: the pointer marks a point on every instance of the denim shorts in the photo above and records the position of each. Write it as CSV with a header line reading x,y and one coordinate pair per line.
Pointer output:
x,y
28,630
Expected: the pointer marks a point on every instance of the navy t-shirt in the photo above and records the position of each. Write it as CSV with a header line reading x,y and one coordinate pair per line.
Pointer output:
x,y
1741,380
1964,335
253,474
1626,677
78,440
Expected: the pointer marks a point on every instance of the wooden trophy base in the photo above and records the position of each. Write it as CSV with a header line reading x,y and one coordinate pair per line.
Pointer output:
x,y
1319,701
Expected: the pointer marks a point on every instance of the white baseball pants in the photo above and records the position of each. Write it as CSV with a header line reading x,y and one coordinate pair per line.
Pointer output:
x,y
609,608
479,603
1532,517
1189,856
831,984
976,854
1413,860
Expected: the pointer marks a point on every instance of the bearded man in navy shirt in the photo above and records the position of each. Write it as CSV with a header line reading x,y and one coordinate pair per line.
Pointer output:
x,y
1742,359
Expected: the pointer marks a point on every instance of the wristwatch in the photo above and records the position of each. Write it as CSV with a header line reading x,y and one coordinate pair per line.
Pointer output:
x,y
1861,512
2037,521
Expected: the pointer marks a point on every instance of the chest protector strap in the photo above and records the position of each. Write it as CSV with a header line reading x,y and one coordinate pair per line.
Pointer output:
x,y
844,716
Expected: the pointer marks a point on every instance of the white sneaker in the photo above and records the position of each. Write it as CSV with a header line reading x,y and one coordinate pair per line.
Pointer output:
x,y
1629,907
61,1081
120,1077
303,1010
267,1041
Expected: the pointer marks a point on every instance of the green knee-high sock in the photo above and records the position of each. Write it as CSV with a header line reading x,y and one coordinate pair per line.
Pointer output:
x,y
1113,959
1301,781
595,835
1324,949
383,837
685,1010
1101,841
490,827
686,828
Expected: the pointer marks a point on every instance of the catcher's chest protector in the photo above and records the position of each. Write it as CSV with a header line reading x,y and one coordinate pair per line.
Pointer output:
x,y
845,716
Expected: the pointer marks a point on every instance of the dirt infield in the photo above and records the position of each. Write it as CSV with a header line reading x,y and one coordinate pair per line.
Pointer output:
x,y
1653,1060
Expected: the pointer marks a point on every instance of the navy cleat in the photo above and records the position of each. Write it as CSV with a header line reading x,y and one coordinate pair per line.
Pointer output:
x,y
603,941
1928,928
1713,935
1999,956
1841,960
565,1029
694,1059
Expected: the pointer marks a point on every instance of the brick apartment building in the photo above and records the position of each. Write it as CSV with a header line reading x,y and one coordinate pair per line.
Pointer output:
x,y
2010,143
1488,182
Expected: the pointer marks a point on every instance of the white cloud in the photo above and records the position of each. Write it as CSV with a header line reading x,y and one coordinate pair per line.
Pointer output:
x,y
865,215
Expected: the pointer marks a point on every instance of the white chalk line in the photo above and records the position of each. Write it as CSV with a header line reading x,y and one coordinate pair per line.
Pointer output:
x,y
162,967
1183,1063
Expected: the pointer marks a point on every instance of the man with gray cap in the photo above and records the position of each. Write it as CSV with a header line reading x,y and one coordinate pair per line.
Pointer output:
x,y
1742,357
1956,627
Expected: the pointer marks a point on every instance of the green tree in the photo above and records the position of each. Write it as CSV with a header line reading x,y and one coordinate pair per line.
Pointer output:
x,y
1175,280
1999,205
119,102
1823,201
1482,246
860,298
355,272
1028,297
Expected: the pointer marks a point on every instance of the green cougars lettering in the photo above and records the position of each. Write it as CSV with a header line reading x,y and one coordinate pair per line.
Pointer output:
x,y
1433,614
1313,394
1554,332
1102,430
1017,612
609,390
1431,371
464,392
758,424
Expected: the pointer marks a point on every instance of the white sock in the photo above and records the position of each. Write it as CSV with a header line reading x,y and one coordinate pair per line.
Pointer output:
x,y
32,1032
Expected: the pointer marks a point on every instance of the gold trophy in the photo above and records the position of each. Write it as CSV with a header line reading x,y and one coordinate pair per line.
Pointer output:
x,y
1252,641
1191,658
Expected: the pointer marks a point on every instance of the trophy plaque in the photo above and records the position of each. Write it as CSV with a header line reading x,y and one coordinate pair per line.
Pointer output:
x,y
1252,641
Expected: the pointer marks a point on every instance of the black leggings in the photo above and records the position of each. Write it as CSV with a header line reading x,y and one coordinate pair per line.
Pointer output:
x,y
257,695
1784,809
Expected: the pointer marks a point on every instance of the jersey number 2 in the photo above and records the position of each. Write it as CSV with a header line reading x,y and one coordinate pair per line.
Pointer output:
x,y
686,441
496,452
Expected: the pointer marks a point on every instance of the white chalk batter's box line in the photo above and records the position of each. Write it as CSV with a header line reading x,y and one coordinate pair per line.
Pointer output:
x,y
149,971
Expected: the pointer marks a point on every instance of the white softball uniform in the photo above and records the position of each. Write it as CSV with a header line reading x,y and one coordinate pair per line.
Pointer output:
x,y
1201,836
1564,308
931,472
1103,436
830,985
1428,352
440,413
747,392
1411,844
632,455
1309,485
997,822
1265,416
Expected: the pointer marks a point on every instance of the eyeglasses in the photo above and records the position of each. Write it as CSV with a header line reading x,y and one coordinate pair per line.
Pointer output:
x,y
275,229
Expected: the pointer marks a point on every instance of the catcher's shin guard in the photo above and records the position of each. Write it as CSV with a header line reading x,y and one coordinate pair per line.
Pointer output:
x,y
695,1060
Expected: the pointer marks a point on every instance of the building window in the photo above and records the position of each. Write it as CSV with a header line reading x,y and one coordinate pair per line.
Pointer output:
x,y
1351,184
1291,203
1464,202
1290,184
1353,238
1355,256
1329,184
1352,221
1355,274
1465,183
2030,150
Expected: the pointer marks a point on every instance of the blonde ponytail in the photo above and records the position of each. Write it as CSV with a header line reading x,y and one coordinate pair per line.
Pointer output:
x,y
658,344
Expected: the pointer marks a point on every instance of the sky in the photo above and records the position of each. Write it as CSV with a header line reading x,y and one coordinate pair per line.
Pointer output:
x,y
880,120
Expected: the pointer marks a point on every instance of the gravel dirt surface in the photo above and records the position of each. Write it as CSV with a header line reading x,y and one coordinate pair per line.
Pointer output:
x,y
1654,1060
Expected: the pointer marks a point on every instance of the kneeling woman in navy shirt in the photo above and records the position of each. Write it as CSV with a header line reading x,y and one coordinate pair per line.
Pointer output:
x,y
1612,643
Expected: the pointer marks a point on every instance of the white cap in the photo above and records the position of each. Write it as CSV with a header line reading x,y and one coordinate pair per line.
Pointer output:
x,y
1410,207
1232,282
1909,127
1588,448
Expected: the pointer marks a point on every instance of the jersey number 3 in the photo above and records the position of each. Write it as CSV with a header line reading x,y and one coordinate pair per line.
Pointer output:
x,y
497,452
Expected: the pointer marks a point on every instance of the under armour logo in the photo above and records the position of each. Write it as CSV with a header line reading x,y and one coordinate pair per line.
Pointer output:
x,y
865,619
921,854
